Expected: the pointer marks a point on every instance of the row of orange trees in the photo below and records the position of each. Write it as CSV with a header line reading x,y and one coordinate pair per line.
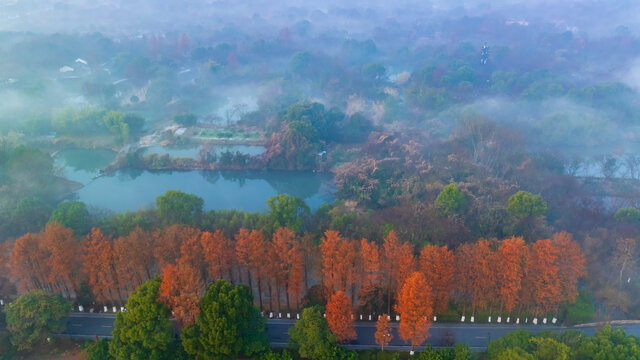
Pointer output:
x,y
492,275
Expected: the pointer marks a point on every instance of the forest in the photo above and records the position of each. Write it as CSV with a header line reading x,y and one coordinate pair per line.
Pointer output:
x,y
402,164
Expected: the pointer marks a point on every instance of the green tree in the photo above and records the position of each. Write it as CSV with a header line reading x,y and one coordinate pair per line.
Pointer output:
x,y
144,330
176,207
608,344
186,119
525,205
513,354
581,311
228,325
550,349
516,339
34,316
451,200
630,214
462,352
73,215
135,123
284,355
30,214
114,122
288,211
311,337
99,351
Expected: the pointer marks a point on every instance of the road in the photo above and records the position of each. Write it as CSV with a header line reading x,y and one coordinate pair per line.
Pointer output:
x,y
86,325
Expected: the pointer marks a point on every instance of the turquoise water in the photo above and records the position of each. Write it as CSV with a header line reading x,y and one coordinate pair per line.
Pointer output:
x,y
82,165
242,190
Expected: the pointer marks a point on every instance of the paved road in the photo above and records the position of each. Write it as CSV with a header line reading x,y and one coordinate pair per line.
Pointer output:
x,y
85,325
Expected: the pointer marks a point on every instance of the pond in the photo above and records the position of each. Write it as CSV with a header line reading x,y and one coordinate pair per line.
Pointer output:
x,y
242,190
82,165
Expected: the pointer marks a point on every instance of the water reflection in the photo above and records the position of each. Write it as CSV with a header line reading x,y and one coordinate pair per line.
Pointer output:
x,y
82,165
242,190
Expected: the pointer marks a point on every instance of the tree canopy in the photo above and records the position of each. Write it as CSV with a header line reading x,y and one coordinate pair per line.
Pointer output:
x,y
144,330
176,207
34,316
526,205
311,337
451,200
228,324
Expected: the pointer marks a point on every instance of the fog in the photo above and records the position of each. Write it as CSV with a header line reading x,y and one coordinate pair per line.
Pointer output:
x,y
368,110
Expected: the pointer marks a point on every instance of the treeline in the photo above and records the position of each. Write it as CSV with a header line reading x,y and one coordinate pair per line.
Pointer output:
x,y
607,343
286,271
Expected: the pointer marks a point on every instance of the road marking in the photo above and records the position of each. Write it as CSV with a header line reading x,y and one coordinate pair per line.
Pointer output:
x,y
481,337
76,325
107,326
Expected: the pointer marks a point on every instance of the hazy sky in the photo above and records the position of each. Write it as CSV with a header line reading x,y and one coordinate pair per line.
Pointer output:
x,y
595,17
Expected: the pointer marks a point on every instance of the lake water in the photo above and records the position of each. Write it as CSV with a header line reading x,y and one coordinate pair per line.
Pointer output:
x,y
242,190
82,165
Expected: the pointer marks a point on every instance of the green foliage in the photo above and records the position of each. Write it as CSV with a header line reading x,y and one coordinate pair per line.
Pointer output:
x,y
459,352
462,352
606,344
28,187
144,330
228,325
135,123
7,350
178,207
451,200
550,349
524,205
99,351
34,316
581,311
186,119
515,339
73,215
356,128
284,355
287,211
73,121
30,214
630,214
114,122
311,337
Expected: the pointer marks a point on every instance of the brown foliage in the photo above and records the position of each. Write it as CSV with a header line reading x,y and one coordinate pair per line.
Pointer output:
x,y
437,265
181,289
167,242
46,261
541,287
219,254
28,263
398,263
62,250
483,280
415,309
383,333
511,257
252,253
288,266
99,267
340,317
571,264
